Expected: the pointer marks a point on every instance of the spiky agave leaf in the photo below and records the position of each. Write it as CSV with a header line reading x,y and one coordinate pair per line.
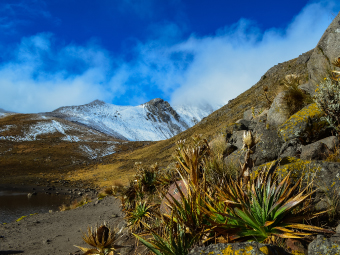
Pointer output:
x,y
175,240
263,210
139,216
189,158
186,211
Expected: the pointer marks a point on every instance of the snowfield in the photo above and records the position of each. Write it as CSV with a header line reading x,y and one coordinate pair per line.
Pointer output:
x,y
147,122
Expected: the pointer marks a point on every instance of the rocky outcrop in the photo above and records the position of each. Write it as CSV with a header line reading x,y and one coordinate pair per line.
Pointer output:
x,y
247,248
326,50
278,112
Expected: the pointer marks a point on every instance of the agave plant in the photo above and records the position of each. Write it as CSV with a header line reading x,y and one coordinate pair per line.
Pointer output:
x,y
139,217
265,209
174,240
189,158
187,212
102,238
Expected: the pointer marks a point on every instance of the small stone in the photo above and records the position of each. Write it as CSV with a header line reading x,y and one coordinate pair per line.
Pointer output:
x,y
337,229
47,241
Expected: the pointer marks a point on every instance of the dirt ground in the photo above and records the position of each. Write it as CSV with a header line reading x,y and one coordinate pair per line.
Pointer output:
x,y
58,232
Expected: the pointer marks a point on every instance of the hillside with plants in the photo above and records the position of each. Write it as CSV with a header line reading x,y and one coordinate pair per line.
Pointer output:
x,y
261,175
258,176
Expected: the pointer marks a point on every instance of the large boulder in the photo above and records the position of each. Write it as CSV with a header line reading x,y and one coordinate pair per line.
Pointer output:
x,y
246,248
269,146
323,245
237,139
326,51
320,149
278,112
305,125
266,150
173,192
314,151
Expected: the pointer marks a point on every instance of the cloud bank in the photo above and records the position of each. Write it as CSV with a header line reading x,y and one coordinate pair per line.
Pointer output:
x,y
217,68
42,74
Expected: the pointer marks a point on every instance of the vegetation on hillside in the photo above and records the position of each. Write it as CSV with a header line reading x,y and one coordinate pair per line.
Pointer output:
x,y
212,208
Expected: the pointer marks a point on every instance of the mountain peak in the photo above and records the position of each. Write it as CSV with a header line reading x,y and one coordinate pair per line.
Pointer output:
x,y
97,102
155,101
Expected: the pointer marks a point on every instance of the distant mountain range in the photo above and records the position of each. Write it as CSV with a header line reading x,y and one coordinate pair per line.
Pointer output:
x,y
152,121
74,137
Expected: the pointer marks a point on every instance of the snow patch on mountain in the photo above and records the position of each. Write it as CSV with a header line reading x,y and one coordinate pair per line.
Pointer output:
x,y
97,153
152,121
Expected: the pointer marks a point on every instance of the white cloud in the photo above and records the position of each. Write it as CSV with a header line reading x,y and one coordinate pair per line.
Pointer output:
x,y
39,78
220,67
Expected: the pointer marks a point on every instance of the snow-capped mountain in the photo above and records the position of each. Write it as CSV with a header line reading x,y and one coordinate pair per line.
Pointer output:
x,y
152,121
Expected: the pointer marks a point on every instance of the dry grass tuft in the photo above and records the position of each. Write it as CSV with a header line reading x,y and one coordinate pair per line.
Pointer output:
x,y
218,145
295,98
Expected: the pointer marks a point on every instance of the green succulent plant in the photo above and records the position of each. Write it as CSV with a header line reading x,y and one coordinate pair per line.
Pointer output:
x,y
174,240
139,217
263,210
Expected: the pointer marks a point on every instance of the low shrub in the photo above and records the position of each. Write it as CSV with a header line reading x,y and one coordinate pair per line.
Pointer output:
x,y
328,100
295,98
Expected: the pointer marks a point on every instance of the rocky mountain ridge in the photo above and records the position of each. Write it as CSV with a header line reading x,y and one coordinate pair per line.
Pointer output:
x,y
152,121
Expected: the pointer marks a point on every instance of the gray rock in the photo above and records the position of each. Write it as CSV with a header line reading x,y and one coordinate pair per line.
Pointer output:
x,y
229,149
331,142
337,229
237,139
278,112
308,88
251,248
247,115
323,245
314,151
305,125
237,127
303,58
326,175
244,122
259,121
326,51
322,205
268,148
292,148
233,161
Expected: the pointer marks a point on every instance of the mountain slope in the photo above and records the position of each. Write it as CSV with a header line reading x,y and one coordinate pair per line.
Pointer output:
x,y
152,121
209,127
58,155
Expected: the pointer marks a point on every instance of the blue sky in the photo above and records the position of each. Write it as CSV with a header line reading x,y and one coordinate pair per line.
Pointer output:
x,y
127,52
